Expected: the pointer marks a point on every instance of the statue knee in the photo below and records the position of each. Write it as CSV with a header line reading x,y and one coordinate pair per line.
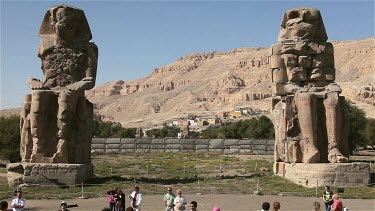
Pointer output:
x,y
332,99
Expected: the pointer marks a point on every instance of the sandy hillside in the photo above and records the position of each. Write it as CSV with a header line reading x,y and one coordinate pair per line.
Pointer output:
x,y
208,83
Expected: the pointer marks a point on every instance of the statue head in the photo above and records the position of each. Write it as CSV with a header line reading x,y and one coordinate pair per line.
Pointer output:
x,y
303,24
65,23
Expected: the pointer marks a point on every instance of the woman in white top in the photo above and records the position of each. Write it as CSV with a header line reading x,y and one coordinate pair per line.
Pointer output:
x,y
179,201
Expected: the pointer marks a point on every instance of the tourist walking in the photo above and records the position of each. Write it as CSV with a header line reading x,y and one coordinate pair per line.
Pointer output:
x,y
327,198
180,201
337,204
169,199
18,203
136,199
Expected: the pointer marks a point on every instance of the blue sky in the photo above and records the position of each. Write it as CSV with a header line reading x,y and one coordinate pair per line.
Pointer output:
x,y
134,37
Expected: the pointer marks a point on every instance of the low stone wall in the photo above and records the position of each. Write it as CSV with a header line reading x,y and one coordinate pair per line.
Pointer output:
x,y
148,145
322,174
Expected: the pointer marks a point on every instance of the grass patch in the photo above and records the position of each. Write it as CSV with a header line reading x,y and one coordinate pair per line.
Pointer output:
x,y
193,172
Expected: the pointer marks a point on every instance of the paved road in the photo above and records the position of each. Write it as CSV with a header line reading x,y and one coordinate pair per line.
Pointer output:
x,y
228,202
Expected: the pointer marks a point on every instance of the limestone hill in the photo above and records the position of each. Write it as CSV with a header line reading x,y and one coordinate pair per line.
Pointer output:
x,y
209,83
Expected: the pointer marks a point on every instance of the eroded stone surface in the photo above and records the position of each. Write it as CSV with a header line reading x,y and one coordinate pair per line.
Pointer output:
x,y
308,113
56,118
322,174
48,174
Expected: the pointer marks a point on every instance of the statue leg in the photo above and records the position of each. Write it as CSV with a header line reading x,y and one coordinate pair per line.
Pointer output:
x,y
26,138
38,125
306,106
334,130
64,117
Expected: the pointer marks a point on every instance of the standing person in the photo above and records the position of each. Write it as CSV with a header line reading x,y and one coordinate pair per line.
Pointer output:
x,y
179,201
136,199
169,199
327,198
276,206
3,206
111,198
18,203
337,204
120,201
193,206
266,206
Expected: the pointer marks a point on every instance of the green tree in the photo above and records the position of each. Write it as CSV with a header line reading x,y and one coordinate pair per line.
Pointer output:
x,y
370,132
112,130
194,134
356,126
10,138
126,133
153,133
168,131
261,128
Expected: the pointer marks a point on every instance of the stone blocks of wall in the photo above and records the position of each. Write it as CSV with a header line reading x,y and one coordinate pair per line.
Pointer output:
x,y
322,174
48,173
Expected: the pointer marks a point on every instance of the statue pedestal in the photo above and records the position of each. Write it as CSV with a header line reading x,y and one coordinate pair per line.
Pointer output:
x,y
48,173
322,174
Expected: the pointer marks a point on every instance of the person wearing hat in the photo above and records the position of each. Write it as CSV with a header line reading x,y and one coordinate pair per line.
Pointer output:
x,y
63,206
216,209
18,203
169,199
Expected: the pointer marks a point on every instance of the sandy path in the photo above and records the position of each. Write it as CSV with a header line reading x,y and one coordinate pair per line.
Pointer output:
x,y
228,202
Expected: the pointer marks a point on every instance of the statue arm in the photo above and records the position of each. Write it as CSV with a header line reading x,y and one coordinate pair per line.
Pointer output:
x,y
35,84
333,87
89,81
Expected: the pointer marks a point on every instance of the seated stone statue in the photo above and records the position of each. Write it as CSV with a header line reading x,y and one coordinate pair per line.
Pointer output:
x,y
308,114
56,118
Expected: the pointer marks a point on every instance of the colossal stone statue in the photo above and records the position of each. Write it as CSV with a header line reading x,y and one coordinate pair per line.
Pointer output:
x,y
308,113
56,118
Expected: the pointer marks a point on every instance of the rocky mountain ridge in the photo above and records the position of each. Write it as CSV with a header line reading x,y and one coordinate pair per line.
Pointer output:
x,y
209,83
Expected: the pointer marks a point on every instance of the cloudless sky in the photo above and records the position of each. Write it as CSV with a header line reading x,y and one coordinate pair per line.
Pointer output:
x,y
134,37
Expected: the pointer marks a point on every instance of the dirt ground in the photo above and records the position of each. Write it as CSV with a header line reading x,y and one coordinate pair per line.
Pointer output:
x,y
227,202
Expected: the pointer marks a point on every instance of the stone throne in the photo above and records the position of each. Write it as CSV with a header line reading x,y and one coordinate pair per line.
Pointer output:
x,y
307,107
56,118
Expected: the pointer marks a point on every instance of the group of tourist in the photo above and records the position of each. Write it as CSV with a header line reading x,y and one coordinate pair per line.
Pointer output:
x,y
117,200
173,202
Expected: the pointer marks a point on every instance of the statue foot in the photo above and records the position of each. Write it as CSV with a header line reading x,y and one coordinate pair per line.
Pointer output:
x,y
335,156
59,159
311,156
36,158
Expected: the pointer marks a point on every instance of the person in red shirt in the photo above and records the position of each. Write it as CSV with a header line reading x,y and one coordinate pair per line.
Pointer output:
x,y
337,204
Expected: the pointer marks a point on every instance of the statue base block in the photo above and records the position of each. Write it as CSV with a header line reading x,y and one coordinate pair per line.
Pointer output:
x,y
48,173
322,174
